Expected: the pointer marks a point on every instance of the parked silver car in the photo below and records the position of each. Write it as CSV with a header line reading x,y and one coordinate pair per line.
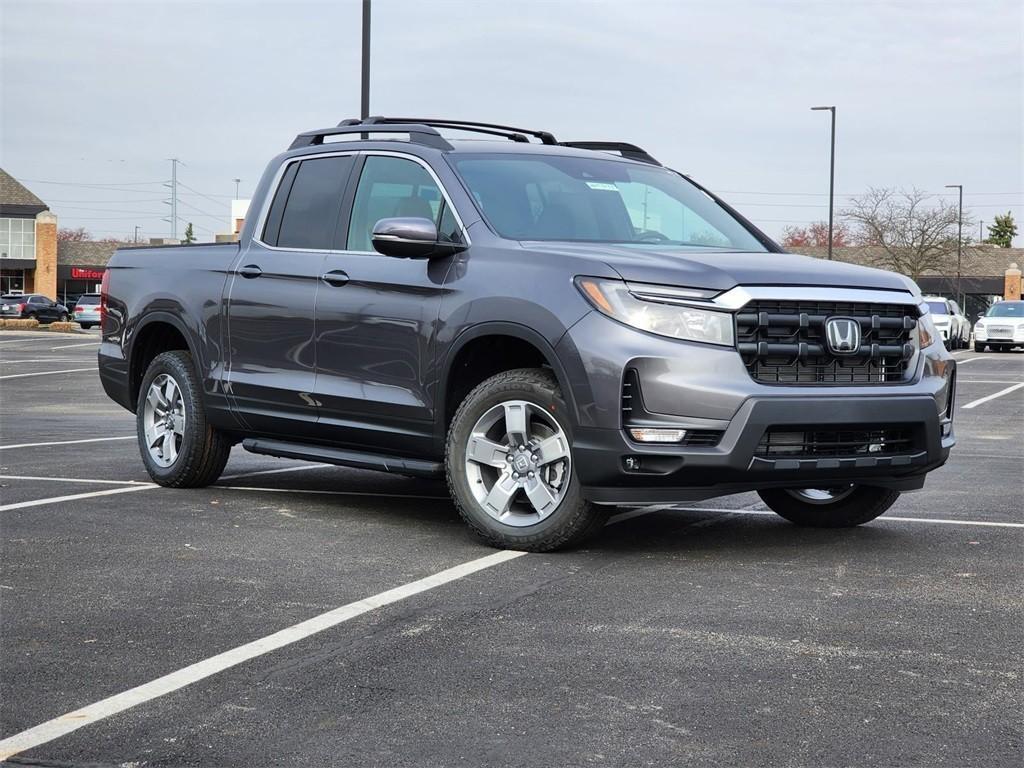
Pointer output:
x,y
87,310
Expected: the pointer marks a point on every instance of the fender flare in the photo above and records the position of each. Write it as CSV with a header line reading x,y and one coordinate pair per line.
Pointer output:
x,y
502,328
157,316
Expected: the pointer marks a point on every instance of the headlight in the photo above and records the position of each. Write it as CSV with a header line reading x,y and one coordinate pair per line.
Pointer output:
x,y
927,333
614,298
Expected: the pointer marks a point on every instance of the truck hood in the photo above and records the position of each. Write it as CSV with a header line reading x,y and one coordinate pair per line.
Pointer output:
x,y
721,270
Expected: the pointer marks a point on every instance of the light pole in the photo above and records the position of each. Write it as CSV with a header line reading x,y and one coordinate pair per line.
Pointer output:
x,y
136,237
237,182
364,100
959,239
831,174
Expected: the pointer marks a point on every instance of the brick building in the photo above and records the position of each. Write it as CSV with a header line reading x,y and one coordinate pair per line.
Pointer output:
x,y
28,240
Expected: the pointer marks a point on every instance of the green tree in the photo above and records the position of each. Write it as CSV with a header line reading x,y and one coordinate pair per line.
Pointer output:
x,y
1003,231
190,235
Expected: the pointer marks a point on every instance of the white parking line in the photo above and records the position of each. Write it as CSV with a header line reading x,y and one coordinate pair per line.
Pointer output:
x,y
1000,393
67,442
73,480
8,361
277,471
72,721
84,344
47,373
76,497
130,488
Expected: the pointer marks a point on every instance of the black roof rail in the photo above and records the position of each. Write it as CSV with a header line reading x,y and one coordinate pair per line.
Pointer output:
x,y
493,129
629,151
418,133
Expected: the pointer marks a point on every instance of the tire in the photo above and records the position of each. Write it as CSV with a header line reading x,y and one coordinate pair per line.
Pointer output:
x,y
63,317
85,326
855,505
979,347
484,492
194,456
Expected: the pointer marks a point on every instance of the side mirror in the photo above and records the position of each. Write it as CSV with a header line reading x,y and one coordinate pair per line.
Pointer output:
x,y
410,238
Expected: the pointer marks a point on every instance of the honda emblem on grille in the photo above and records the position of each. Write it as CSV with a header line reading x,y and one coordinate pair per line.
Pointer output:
x,y
843,335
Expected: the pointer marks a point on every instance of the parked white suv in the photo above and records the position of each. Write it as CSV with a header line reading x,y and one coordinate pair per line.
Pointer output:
x,y
950,321
1001,328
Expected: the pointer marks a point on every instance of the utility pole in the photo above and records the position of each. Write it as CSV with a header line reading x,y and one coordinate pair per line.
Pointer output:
x,y
237,182
135,238
173,202
364,101
959,240
831,174
981,232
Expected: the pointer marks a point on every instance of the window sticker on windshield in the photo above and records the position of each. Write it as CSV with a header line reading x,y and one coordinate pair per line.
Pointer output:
x,y
602,185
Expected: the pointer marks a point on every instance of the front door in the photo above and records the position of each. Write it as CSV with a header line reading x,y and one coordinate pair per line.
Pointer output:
x,y
377,317
271,299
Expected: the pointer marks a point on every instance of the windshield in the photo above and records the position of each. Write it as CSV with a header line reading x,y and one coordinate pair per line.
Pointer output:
x,y
1006,309
938,307
583,199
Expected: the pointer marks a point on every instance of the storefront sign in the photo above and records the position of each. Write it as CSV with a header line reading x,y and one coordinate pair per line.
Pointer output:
x,y
81,273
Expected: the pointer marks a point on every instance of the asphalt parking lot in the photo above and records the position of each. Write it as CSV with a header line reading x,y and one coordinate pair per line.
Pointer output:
x,y
715,634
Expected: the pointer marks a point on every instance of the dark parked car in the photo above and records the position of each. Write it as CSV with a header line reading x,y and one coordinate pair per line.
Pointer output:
x,y
32,305
555,327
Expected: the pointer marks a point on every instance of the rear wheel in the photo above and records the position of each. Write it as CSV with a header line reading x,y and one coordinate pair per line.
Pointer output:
x,y
178,446
509,465
841,506
63,317
979,347
86,326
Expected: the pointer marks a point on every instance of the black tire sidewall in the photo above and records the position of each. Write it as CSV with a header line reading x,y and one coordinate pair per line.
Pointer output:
x,y
177,365
532,385
864,504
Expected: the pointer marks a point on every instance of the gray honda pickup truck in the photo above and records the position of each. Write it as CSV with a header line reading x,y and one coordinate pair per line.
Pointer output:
x,y
556,327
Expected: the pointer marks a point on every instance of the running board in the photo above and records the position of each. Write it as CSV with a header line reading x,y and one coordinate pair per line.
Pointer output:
x,y
345,458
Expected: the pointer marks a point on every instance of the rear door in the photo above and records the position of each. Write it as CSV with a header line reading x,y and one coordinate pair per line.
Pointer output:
x,y
377,317
272,296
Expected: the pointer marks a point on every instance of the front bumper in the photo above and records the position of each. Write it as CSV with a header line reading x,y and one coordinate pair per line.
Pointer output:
x,y
706,387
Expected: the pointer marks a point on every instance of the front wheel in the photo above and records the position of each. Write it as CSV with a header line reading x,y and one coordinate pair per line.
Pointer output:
x,y
179,447
842,506
979,347
509,465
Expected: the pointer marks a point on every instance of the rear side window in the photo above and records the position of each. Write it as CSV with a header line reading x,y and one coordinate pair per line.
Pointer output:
x,y
304,213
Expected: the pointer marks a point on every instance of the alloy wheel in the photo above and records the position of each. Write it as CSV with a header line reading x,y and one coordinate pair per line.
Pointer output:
x,y
518,463
164,420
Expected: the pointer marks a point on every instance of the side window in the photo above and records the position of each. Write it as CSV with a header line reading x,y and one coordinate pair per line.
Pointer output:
x,y
38,300
273,225
390,187
448,228
310,213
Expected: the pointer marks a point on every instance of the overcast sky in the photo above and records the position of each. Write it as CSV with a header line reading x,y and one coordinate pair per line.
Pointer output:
x,y
928,93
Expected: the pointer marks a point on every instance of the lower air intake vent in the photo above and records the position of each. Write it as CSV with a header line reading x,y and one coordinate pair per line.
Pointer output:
x,y
785,442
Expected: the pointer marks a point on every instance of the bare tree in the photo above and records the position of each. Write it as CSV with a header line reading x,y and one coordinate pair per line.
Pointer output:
x,y
911,231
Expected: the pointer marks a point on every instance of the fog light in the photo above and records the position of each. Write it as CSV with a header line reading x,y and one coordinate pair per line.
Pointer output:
x,y
656,434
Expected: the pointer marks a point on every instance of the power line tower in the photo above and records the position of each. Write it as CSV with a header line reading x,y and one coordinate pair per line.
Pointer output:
x,y
173,202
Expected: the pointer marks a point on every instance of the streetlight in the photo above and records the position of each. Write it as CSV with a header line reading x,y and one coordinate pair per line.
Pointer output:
x,y
959,239
831,174
237,182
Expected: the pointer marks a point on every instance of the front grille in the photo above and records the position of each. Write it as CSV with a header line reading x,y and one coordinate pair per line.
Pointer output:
x,y
783,342
787,442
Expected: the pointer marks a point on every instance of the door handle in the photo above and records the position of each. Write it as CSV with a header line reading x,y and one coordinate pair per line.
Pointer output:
x,y
335,277
250,271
